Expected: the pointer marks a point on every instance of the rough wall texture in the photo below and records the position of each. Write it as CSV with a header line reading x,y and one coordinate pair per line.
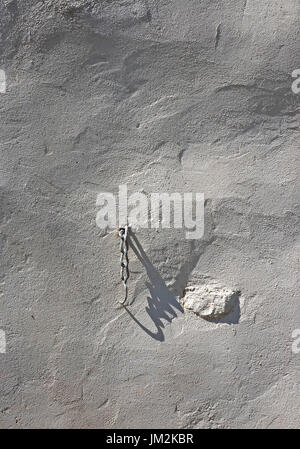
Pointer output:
x,y
171,96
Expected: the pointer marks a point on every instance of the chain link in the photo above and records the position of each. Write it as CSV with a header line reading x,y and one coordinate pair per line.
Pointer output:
x,y
124,272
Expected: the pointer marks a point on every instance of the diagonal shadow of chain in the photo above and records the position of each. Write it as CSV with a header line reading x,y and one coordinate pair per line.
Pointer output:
x,y
162,305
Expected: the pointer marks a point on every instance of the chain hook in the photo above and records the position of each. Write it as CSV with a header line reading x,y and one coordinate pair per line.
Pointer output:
x,y
124,262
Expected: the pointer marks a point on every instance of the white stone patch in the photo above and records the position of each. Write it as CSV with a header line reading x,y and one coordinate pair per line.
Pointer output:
x,y
210,301
2,342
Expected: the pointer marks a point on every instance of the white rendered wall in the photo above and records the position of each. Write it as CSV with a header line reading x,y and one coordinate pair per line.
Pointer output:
x,y
161,96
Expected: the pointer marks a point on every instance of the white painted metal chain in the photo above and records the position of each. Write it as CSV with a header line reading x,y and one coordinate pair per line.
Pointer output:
x,y
124,272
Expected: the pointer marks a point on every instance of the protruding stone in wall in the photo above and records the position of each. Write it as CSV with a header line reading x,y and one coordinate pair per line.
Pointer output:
x,y
210,301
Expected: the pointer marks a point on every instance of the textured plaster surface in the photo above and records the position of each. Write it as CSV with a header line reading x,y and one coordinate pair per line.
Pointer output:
x,y
164,96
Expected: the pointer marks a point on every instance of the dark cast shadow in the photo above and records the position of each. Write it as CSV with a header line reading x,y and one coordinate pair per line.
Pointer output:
x,y
233,317
162,303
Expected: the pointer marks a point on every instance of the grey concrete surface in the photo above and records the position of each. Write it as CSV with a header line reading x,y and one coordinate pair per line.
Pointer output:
x,y
164,96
